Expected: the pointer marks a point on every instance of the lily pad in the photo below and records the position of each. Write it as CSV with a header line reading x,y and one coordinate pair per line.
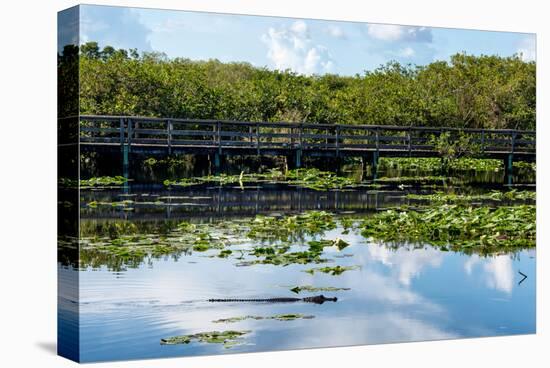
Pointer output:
x,y
334,271
227,338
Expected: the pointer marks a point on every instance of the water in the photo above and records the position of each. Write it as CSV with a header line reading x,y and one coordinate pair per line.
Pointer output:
x,y
408,293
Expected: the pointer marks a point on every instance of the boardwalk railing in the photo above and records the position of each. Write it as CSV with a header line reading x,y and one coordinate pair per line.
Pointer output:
x,y
255,137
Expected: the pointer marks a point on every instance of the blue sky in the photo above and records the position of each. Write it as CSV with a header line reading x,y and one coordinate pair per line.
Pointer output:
x,y
302,45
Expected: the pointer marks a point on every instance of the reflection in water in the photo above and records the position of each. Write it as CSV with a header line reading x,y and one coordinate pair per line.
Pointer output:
x,y
405,263
498,271
402,294
405,293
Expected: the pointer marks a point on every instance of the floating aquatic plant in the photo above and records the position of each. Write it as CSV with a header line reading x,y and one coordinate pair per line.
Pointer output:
x,y
493,195
308,178
334,271
457,226
309,288
427,164
413,179
290,227
227,338
103,181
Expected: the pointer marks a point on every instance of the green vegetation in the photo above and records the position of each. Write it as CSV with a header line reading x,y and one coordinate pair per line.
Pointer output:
x,y
312,289
495,195
451,147
278,317
434,164
429,179
317,179
279,256
306,178
288,228
448,220
334,271
466,91
103,181
227,338
125,203
457,227
122,244
525,165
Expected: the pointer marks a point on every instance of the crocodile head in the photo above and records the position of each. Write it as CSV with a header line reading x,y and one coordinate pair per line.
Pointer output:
x,y
319,299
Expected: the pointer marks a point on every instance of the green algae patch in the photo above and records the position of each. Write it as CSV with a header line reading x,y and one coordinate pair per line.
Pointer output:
x,y
457,227
227,338
277,317
310,288
334,271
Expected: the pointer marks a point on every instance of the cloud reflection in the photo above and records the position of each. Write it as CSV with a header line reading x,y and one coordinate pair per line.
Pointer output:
x,y
498,271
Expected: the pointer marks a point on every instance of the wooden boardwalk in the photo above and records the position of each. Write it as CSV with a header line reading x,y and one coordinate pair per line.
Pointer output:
x,y
165,136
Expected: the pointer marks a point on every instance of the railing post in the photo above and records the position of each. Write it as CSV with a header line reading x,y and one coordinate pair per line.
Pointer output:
x,y
121,133
377,143
125,150
337,133
258,138
514,133
409,140
129,134
218,132
482,140
169,135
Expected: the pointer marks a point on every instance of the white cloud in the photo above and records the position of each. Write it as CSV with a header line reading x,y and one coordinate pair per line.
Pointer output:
x,y
393,33
407,52
170,25
527,49
336,31
292,48
113,26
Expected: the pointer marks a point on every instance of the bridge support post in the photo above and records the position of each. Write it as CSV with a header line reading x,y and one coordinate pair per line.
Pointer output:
x,y
509,168
375,157
298,157
217,162
338,161
126,164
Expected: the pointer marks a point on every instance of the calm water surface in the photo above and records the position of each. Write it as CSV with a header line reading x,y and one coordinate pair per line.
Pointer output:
x,y
410,293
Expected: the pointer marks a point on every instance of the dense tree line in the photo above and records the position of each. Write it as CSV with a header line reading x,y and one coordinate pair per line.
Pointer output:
x,y
467,91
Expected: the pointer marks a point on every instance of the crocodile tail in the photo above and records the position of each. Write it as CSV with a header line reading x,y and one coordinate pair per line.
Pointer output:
x,y
235,300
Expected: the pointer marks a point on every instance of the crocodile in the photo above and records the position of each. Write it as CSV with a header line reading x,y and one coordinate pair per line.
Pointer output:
x,y
318,299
